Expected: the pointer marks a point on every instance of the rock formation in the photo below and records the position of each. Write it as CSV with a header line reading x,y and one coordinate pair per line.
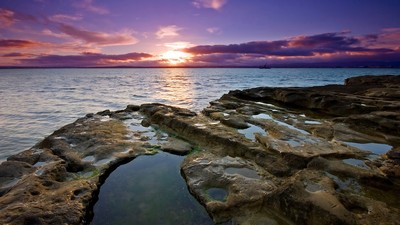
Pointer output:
x,y
317,155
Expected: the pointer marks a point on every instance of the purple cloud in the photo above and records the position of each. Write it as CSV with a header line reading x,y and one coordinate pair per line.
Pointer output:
x,y
17,54
64,17
326,49
89,6
14,43
9,17
6,18
217,58
327,41
388,38
256,47
84,60
122,38
293,47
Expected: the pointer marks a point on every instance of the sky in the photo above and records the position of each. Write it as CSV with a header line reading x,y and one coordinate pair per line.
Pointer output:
x,y
199,33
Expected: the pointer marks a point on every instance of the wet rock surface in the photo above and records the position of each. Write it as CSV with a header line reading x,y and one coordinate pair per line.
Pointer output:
x,y
318,155
56,181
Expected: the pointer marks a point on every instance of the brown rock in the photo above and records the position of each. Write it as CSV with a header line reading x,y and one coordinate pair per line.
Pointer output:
x,y
177,146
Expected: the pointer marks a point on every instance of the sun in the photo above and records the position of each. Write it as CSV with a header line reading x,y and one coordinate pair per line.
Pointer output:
x,y
175,57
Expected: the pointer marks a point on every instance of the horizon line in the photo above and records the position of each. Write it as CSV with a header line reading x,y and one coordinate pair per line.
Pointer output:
x,y
192,67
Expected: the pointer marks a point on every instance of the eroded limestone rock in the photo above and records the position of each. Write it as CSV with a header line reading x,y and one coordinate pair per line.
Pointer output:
x,y
333,139
55,181
227,186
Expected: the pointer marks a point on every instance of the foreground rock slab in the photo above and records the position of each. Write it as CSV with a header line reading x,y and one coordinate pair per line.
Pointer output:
x,y
318,155
57,180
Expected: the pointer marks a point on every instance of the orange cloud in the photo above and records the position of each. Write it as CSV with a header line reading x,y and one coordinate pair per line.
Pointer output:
x,y
178,45
211,4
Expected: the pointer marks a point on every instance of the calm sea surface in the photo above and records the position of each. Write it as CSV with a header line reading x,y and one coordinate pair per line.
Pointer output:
x,y
35,102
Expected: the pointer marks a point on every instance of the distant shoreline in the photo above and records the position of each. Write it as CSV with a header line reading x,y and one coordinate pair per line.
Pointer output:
x,y
197,67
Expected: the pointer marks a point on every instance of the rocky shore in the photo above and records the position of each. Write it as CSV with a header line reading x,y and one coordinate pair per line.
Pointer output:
x,y
316,155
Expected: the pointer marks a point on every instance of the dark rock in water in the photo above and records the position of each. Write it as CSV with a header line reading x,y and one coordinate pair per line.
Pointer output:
x,y
106,112
235,122
132,108
316,155
384,80
29,156
89,115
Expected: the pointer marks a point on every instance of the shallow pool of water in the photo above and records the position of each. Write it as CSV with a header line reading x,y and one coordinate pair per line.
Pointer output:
x,y
356,162
262,116
375,148
217,194
246,172
148,190
291,127
345,184
312,122
249,133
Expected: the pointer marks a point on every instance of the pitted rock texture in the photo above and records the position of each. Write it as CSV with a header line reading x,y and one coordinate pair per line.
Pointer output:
x,y
368,103
296,176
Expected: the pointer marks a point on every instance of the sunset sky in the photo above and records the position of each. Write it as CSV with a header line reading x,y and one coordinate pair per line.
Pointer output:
x,y
163,33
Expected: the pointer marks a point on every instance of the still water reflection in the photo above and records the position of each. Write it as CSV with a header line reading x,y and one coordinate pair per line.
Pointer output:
x,y
148,190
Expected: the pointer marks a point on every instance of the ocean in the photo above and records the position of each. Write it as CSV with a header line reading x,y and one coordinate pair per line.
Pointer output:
x,y
36,102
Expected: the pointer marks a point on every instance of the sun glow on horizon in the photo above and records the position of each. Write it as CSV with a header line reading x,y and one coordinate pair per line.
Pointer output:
x,y
175,57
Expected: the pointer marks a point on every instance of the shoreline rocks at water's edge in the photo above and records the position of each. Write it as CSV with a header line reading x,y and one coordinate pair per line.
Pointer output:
x,y
299,167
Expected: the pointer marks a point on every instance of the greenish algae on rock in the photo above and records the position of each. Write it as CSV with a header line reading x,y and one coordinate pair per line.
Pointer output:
x,y
295,172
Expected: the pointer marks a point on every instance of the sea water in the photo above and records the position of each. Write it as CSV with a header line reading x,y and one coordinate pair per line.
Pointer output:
x,y
35,102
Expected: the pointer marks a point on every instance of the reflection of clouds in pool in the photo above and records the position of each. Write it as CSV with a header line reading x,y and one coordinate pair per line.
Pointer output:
x,y
375,148
246,172
250,132
218,194
148,190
